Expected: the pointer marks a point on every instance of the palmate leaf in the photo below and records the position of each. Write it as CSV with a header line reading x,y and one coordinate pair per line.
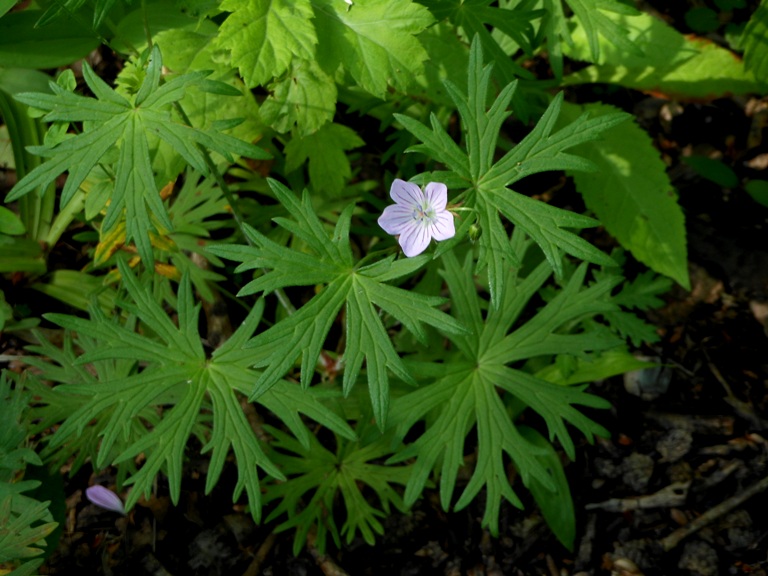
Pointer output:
x,y
170,371
543,149
468,396
326,475
359,290
24,522
112,120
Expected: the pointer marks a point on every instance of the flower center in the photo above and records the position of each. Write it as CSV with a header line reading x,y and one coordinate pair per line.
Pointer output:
x,y
424,214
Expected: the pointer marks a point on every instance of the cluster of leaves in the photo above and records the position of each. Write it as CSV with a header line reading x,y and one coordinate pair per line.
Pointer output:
x,y
453,344
24,521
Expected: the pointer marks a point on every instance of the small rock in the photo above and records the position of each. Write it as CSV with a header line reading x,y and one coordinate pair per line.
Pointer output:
x,y
674,444
630,558
699,558
648,383
637,470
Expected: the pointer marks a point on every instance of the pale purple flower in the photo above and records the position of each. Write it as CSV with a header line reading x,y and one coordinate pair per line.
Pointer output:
x,y
418,216
105,498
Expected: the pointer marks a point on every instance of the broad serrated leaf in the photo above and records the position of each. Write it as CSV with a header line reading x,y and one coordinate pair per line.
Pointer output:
x,y
672,64
754,39
593,15
329,167
304,97
194,50
375,42
264,36
632,196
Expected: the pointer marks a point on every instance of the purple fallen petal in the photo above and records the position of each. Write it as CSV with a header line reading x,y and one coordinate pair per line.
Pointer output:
x,y
406,194
414,239
395,218
105,498
443,227
437,195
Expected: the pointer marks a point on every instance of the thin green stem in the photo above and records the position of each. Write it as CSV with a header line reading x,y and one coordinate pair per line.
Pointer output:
x,y
279,292
65,218
145,21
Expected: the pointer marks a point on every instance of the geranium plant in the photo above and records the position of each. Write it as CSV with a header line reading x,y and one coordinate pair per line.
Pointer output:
x,y
225,154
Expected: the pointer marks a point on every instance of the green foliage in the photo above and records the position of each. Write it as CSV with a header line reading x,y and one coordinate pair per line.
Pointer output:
x,y
117,404
758,190
297,48
328,164
264,37
713,170
324,475
631,195
24,522
555,501
466,395
24,45
754,42
488,181
327,260
127,124
516,314
670,63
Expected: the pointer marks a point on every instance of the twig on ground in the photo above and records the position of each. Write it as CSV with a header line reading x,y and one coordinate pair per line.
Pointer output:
x,y
668,497
695,423
712,514
743,409
328,566
261,554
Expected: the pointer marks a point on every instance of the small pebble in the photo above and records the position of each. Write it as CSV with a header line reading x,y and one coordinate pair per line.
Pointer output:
x,y
648,383
637,470
699,558
674,444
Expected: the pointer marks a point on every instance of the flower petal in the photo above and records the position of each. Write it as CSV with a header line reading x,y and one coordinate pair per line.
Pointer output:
x,y
437,195
105,498
414,239
395,218
406,193
442,226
